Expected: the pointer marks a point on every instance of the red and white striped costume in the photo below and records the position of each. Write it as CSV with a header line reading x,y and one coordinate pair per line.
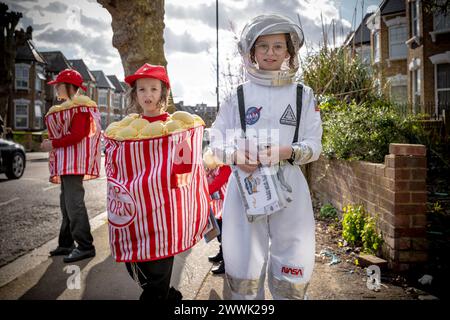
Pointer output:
x,y
217,204
150,218
217,181
82,158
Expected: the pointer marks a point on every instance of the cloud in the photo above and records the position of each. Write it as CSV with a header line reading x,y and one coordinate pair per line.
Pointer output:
x,y
54,7
93,23
183,42
95,46
238,13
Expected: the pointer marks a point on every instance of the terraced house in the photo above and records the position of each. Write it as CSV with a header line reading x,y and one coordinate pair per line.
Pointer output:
x,y
410,47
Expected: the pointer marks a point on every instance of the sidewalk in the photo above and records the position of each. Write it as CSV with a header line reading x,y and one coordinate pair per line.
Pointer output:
x,y
37,276
36,156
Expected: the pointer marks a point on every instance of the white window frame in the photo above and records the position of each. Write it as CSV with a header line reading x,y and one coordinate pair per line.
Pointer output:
x,y
377,46
39,104
440,30
399,80
38,80
416,88
441,58
400,42
437,90
415,21
19,76
21,102
103,93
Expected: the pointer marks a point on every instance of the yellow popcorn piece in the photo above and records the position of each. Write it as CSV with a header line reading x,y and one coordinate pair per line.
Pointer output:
x,y
174,126
183,116
126,121
127,133
139,124
153,129
198,120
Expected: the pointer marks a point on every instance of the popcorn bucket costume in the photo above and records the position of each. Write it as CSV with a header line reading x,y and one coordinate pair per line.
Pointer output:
x,y
74,131
157,190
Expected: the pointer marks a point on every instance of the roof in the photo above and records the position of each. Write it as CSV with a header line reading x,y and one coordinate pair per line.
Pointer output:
x,y
125,85
82,68
116,83
56,61
361,35
392,6
102,80
29,53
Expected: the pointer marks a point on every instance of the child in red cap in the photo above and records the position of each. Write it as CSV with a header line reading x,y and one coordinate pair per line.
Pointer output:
x,y
148,94
74,146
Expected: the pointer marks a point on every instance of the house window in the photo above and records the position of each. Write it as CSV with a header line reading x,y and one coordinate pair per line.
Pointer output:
x,y
416,90
399,93
414,6
397,38
441,21
22,76
102,98
38,123
376,46
21,114
443,84
103,120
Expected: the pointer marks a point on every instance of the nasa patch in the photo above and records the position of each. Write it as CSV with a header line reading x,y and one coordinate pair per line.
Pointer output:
x,y
252,115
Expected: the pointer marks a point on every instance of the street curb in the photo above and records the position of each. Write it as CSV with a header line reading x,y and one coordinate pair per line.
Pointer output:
x,y
28,261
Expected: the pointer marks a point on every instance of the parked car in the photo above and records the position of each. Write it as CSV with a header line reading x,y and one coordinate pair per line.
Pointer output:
x,y
12,159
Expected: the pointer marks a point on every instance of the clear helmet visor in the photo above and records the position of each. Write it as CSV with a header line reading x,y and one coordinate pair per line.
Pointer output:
x,y
267,25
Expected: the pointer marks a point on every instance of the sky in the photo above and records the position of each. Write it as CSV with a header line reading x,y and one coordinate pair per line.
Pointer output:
x,y
82,30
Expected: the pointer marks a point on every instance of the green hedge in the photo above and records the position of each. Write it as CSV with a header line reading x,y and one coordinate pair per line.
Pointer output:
x,y
364,131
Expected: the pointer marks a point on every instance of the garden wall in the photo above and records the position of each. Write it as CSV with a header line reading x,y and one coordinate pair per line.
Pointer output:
x,y
394,191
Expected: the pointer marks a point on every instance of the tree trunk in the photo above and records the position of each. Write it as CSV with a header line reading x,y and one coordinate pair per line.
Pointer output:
x,y
8,45
138,28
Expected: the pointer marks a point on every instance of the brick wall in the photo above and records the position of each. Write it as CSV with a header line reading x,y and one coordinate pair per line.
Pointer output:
x,y
394,191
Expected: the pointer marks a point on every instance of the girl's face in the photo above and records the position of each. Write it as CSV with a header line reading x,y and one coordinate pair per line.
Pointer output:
x,y
148,92
61,91
271,51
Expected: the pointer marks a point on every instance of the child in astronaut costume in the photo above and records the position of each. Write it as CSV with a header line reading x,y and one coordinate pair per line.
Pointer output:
x,y
283,241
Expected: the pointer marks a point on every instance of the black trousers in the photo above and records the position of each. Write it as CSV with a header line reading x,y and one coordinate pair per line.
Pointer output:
x,y
219,237
75,221
153,277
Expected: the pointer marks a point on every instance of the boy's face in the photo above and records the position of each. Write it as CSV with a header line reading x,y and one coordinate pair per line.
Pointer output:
x,y
148,92
271,51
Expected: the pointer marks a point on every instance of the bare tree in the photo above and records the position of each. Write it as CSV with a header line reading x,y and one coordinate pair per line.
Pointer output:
x,y
10,39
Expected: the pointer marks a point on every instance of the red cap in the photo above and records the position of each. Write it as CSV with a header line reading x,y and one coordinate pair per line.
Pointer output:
x,y
69,76
149,71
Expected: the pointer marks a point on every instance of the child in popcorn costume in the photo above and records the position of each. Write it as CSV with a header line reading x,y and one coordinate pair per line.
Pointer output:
x,y
217,175
282,241
74,146
157,193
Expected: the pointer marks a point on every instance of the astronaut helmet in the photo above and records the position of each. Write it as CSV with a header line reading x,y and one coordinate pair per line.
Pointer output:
x,y
268,25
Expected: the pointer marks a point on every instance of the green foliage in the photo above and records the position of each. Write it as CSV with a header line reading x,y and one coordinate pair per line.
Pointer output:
x,y
371,240
364,131
353,223
335,72
359,228
328,212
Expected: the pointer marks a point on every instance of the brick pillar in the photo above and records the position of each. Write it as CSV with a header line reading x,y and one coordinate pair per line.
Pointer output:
x,y
407,166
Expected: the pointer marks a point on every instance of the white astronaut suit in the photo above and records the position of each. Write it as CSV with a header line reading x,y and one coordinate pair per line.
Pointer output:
x,y
282,242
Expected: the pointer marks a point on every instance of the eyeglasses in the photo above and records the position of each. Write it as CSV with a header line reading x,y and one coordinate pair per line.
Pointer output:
x,y
278,48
